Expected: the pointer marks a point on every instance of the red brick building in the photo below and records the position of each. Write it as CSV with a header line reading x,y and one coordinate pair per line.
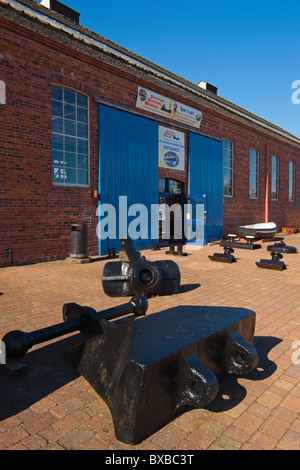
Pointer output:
x,y
62,86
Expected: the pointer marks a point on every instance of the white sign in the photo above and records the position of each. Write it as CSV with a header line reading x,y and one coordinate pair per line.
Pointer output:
x,y
171,109
2,92
171,149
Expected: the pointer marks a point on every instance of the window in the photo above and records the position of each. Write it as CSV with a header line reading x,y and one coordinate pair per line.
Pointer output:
x,y
291,181
166,185
227,168
176,187
253,174
69,136
274,178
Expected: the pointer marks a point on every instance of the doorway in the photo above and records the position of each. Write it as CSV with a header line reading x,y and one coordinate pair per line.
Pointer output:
x,y
170,192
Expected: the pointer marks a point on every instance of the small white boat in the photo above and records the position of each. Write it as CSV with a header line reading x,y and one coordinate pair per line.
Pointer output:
x,y
266,230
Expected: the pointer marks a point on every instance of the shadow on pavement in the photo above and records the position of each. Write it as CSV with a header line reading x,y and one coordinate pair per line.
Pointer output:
x,y
187,288
231,392
47,371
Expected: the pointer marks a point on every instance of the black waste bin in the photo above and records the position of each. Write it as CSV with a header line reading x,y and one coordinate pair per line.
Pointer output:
x,y
78,241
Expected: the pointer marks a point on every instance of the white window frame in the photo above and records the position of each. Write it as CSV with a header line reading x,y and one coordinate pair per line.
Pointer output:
x,y
61,167
254,153
277,178
293,166
228,167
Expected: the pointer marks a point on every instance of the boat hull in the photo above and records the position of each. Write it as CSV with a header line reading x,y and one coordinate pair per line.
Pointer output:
x,y
258,231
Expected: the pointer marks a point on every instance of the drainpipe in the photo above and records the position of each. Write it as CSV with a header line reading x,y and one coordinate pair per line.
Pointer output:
x,y
267,183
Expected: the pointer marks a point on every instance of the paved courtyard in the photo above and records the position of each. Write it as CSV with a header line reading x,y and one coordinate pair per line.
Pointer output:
x,y
53,408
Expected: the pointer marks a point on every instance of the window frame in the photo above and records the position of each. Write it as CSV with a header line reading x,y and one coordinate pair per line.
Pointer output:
x,y
77,138
293,181
277,178
228,168
256,173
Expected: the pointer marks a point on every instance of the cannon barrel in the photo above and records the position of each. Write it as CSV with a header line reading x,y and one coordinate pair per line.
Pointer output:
x,y
76,318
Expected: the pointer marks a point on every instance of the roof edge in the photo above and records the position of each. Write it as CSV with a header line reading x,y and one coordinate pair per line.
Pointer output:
x,y
43,14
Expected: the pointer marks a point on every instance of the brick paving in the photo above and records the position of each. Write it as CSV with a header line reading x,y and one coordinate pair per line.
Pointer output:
x,y
53,408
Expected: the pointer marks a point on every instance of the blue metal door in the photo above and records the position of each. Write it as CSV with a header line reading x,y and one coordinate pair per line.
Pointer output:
x,y
206,177
128,176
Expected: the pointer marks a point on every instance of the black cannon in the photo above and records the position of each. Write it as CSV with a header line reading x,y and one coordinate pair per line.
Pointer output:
x,y
149,371
76,318
139,276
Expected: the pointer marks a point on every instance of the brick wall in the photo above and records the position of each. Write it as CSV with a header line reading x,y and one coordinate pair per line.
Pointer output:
x,y
35,214
240,209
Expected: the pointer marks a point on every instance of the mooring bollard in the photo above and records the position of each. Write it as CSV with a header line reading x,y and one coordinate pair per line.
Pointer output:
x,y
272,263
281,247
226,257
249,245
149,370
179,251
139,276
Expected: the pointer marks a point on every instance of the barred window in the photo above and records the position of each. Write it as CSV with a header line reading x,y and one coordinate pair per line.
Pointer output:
x,y
70,142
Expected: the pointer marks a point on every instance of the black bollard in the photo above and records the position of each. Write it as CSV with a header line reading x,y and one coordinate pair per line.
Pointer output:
x,y
226,257
179,251
148,371
139,276
281,247
272,263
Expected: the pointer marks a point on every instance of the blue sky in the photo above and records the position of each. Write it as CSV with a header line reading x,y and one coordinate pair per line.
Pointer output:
x,y
249,50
